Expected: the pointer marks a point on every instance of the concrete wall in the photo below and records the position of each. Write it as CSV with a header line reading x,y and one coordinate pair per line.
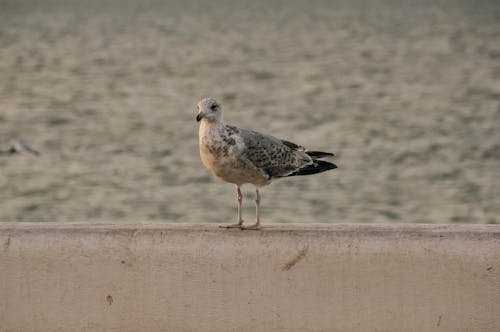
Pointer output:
x,y
178,277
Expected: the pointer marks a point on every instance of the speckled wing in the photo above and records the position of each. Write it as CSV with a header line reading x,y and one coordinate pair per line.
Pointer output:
x,y
274,157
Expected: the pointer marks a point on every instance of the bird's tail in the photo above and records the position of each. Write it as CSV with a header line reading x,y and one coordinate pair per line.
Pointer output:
x,y
317,167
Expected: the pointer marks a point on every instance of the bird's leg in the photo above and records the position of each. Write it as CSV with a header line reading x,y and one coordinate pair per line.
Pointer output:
x,y
239,223
257,219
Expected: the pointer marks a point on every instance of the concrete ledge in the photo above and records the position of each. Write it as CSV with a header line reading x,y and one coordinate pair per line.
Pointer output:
x,y
184,277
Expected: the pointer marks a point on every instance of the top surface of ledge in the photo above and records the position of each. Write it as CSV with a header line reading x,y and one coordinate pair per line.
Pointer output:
x,y
407,230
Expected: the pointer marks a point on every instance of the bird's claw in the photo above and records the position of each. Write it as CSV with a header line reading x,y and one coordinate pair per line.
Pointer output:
x,y
254,227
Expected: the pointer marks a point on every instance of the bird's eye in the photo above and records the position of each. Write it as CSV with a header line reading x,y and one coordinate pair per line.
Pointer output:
x,y
213,107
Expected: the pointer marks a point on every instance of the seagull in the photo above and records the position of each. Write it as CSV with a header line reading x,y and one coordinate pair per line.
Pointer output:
x,y
241,156
19,146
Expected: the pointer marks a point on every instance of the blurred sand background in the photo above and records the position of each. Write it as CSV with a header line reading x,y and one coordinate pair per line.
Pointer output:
x,y
406,93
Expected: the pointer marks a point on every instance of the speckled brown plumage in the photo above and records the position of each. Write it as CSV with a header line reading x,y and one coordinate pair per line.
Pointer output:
x,y
242,156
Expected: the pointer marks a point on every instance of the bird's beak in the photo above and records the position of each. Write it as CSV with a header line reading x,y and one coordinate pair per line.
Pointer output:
x,y
199,116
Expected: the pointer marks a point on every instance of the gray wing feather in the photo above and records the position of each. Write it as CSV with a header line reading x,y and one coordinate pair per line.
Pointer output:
x,y
275,157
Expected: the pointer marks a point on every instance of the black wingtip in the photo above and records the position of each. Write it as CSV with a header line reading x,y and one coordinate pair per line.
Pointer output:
x,y
318,167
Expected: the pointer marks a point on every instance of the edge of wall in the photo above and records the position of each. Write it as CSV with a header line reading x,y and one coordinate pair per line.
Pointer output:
x,y
198,277
419,230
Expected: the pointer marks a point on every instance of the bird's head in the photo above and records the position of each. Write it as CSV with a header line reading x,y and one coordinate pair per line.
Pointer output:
x,y
209,108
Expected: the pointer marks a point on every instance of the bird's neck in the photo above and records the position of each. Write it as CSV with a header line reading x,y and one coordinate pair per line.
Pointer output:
x,y
209,126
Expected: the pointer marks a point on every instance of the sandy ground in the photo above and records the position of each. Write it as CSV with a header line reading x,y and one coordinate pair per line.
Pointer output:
x,y
407,94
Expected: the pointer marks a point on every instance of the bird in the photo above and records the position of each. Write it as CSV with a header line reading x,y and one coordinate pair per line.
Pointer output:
x,y
243,156
19,146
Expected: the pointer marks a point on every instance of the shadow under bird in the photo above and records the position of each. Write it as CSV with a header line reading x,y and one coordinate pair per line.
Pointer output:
x,y
242,156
